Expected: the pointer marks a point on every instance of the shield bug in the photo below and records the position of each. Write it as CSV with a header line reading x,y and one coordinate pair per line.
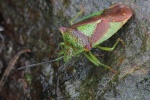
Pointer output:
x,y
91,31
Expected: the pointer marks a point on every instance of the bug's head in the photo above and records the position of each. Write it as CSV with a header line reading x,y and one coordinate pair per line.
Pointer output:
x,y
74,42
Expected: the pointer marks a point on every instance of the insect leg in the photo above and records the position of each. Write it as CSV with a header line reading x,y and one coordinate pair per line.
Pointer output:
x,y
91,59
78,14
60,53
96,62
62,49
110,48
61,44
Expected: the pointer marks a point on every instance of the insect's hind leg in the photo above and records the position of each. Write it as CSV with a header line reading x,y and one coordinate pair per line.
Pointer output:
x,y
110,48
96,62
78,14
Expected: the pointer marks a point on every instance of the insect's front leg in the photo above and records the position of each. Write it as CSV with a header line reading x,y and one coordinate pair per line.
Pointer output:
x,y
96,62
61,44
110,48
62,49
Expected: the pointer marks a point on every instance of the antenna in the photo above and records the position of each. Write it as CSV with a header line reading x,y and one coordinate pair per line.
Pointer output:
x,y
32,65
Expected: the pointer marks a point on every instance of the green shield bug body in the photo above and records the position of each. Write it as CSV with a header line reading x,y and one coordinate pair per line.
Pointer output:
x,y
92,30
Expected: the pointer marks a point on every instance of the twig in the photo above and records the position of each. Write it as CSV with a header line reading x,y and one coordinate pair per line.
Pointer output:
x,y
10,66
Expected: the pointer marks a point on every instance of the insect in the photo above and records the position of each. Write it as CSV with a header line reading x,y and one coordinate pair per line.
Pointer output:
x,y
91,31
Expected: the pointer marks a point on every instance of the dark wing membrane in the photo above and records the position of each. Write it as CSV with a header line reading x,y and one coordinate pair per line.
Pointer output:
x,y
117,13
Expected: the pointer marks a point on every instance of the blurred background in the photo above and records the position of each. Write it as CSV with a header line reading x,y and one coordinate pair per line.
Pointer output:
x,y
29,34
